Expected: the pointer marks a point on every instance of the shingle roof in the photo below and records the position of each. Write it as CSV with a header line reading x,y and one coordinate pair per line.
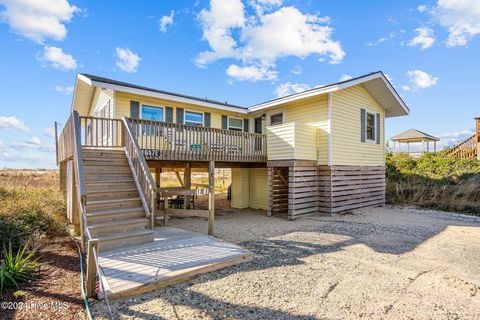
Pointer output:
x,y
134,86
412,135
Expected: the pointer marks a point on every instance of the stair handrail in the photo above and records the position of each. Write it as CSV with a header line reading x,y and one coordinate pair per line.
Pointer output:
x,y
458,148
141,172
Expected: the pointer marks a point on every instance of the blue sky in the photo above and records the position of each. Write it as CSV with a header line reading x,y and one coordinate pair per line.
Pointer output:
x,y
240,51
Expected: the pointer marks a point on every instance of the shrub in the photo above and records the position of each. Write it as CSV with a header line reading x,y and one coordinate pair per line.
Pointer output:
x,y
434,181
17,268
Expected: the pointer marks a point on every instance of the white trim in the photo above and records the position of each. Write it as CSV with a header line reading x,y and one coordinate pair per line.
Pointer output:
x,y
374,140
328,89
329,129
140,112
166,96
191,111
228,123
276,114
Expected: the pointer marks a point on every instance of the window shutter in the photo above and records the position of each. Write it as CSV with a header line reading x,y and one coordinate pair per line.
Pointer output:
x,y
377,118
207,119
134,109
245,125
363,114
168,114
224,122
180,115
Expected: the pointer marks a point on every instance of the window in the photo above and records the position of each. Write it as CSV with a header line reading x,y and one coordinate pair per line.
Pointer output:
x,y
235,124
193,118
276,119
370,126
152,113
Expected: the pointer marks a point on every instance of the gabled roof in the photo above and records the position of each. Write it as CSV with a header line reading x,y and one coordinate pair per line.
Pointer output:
x,y
375,83
413,135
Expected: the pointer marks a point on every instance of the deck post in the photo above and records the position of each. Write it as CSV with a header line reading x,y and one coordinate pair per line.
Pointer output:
x,y
158,171
91,268
211,198
187,180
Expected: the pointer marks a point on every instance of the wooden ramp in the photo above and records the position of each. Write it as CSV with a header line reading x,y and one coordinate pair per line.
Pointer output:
x,y
174,256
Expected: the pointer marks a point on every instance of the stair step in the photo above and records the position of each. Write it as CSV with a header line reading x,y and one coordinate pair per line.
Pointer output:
x,y
87,162
110,187
97,205
111,215
92,177
109,194
124,239
103,154
107,170
111,227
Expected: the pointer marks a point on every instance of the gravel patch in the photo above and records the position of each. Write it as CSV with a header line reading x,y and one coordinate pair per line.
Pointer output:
x,y
380,263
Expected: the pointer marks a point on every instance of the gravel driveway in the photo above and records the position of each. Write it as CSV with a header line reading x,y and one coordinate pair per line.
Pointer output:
x,y
380,263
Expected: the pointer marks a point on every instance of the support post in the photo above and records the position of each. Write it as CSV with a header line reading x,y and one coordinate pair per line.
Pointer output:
x,y
158,171
434,146
91,268
211,198
187,179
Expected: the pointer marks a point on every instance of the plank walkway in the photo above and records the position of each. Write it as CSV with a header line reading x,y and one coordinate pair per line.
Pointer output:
x,y
175,256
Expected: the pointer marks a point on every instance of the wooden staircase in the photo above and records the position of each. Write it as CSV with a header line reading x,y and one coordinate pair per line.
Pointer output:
x,y
114,211
466,149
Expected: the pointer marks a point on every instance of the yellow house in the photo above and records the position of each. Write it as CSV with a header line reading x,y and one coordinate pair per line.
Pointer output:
x,y
318,151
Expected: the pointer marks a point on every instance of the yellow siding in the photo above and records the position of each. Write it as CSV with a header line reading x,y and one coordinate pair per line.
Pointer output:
x,y
291,140
347,148
240,188
102,100
259,188
123,108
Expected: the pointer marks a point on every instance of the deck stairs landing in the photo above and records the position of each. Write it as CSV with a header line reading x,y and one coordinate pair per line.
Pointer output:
x,y
114,211
466,149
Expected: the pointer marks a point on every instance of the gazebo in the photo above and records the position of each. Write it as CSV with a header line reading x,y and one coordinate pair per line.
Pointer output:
x,y
414,136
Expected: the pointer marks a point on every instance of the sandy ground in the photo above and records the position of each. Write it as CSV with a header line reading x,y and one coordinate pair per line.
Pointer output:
x,y
380,263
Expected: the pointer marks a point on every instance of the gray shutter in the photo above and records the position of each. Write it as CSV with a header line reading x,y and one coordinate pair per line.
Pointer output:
x,y
224,122
363,114
134,109
207,119
168,114
377,118
180,115
245,125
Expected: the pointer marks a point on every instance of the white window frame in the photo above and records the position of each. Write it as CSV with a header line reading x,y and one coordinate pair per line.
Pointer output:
x,y
151,106
374,140
276,114
228,124
197,112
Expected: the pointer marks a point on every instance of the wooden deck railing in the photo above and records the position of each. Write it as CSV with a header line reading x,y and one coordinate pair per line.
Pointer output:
x,y
465,149
101,132
171,141
141,172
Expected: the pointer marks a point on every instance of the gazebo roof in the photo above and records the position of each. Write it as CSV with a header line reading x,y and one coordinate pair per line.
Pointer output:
x,y
413,135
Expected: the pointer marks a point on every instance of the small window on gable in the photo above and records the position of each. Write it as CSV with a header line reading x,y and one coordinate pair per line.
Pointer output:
x,y
193,118
276,119
370,126
235,124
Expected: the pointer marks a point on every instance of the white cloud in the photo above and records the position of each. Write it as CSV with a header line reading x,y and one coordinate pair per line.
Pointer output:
x,y
57,58
425,38
33,143
166,21
262,6
422,8
453,138
127,60
297,70
64,89
38,19
2,144
262,39
13,122
345,77
49,132
383,39
460,17
251,73
419,80
288,88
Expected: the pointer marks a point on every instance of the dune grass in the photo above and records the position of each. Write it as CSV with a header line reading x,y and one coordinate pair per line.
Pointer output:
x,y
434,181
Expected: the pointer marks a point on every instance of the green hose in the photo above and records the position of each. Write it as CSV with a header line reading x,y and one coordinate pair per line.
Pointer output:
x,y
87,306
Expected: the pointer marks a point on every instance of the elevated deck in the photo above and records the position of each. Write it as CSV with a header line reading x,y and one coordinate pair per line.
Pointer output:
x,y
174,256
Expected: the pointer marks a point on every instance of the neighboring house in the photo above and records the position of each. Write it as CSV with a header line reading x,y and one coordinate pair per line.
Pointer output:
x,y
318,151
